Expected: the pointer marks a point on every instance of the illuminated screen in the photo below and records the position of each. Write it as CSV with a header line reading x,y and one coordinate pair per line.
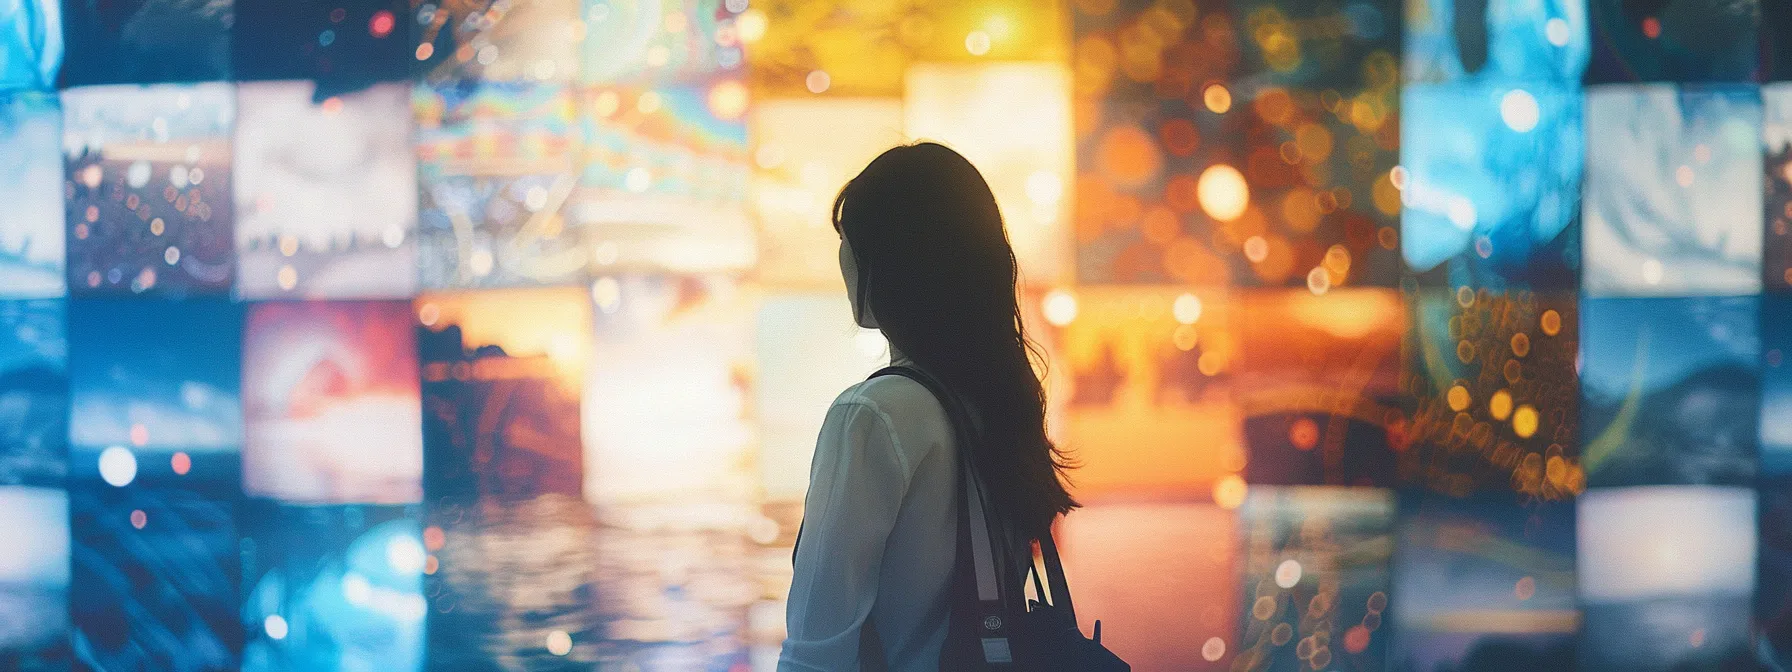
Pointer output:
x,y
406,335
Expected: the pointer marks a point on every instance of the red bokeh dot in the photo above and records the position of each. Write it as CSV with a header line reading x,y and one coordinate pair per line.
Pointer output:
x,y
1356,639
1304,434
382,23
433,539
1652,27
182,463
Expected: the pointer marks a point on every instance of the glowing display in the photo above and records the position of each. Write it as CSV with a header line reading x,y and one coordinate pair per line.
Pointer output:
x,y
1670,391
330,403
1501,41
1012,120
32,244
1687,223
1483,581
804,151
1492,195
1436,336
1666,575
147,174
320,185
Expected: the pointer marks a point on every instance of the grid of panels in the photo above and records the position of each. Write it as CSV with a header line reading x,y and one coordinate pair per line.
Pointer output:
x,y
346,334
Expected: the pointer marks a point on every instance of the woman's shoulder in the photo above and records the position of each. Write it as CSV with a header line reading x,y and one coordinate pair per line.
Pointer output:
x,y
899,398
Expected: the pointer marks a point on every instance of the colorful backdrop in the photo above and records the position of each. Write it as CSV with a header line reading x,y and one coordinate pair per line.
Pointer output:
x,y
1443,336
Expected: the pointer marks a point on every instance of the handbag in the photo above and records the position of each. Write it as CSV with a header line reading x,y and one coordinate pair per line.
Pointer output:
x,y
992,626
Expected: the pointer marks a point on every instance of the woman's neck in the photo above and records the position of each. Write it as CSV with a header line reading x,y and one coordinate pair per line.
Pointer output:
x,y
896,356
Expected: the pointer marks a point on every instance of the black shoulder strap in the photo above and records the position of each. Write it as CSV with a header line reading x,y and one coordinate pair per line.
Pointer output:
x,y
977,522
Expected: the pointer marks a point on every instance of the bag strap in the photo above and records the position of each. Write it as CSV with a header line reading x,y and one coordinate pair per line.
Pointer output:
x,y
985,565
1054,575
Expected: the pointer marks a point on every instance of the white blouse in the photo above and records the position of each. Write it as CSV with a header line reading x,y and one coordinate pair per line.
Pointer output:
x,y
879,533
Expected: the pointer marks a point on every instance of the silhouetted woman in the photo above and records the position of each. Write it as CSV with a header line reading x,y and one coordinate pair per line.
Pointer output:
x,y
926,261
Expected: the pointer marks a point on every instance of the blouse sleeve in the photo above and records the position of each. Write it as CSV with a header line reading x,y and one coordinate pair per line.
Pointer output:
x,y
856,486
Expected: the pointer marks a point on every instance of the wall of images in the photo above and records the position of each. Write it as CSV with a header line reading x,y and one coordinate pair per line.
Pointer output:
x,y
1444,336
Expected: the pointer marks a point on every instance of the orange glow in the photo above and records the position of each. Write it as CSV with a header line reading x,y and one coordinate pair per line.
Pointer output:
x,y
1229,492
544,322
1652,27
1217,98
433,538
1304,434
1129,156
1182,193
1180,137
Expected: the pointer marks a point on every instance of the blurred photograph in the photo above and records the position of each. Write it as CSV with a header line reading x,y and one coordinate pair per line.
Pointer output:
x,y
148,189
146,41
332,588
1665,578
497,40
1493,179
32,246
807,351
1776,138
660,40
1492,379
1502,41
154,579
1776,386
667,394
342,45
1147,396
155,395
1672,203
1136,561
1670,391
1011,120
1773,588
34,393
1138,215
502,373
664,176
1278,47
515,586
1318,383
1675,41
804,151
1314,578
31,52
331,403
495,167
34,578
1484,584
324,189
1317,207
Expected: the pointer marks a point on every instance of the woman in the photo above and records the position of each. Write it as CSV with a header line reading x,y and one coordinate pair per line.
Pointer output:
x,y
926,261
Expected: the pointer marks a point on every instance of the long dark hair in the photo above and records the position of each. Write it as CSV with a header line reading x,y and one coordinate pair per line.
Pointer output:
x,y
939,277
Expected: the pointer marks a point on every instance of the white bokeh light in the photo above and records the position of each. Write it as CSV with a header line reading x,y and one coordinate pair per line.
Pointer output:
x,y
118,466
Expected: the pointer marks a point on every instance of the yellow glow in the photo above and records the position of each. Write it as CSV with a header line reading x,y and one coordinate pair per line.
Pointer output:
x,y
977,42
1524,421
1229,492
1551,322
1223,192
1458,398
1500,405
751,25
728,100
1218,98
